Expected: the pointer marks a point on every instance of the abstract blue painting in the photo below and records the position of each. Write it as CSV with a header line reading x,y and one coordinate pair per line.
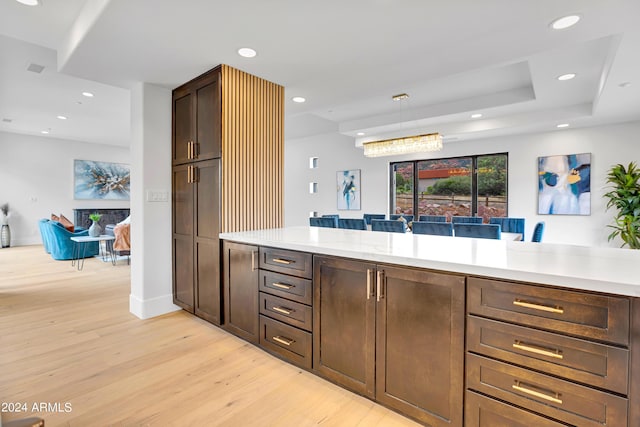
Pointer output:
x,y
101,180
348,189
564,184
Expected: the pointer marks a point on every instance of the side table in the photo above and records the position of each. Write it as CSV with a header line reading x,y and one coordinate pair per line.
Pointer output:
x,y
80,247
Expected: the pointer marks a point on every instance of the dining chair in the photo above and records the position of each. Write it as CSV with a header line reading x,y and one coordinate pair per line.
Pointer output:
x,y
323,222
435,228
331,216
466,219
537,232
433,218
396,217
369,217
390,225
508,224
481,231
352,223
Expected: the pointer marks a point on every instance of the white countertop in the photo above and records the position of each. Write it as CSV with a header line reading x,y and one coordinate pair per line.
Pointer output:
x,y
610,270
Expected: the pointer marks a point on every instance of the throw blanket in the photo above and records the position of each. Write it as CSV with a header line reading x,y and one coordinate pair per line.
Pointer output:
x,y
122,242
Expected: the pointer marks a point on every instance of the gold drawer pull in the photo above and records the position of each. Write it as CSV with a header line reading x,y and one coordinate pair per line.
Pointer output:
x,y
557,310
285,341
518,386
538,350
283,261
282,310
282,285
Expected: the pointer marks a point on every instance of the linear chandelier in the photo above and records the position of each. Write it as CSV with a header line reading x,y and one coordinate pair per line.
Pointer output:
x,y
409,144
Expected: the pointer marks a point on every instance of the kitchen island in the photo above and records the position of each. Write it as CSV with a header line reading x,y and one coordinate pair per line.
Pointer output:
x,y
449,331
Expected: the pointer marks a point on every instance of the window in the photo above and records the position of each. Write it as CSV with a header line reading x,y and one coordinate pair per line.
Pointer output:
x,y
466,186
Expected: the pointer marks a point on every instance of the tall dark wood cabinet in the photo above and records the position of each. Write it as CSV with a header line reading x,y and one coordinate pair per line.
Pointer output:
x,y
196,196
393,334
227,168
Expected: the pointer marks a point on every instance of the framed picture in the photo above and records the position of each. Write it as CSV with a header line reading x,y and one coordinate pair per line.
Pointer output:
x,y
348,189
101,180
564,184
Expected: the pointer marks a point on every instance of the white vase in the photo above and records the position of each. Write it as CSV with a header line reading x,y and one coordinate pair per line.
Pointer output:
x,y
95,230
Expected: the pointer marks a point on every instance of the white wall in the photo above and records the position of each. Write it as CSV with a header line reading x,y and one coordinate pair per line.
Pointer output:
x,y
609,145
36,179
151,279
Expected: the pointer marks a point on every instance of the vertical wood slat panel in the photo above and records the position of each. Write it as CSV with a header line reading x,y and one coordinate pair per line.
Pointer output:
x,y
252,152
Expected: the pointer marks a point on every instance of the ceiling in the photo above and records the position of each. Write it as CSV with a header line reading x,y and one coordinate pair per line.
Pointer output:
x,y
499,58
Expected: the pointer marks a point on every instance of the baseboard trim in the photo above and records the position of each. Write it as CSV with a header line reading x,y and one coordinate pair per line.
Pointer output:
x,y
146,309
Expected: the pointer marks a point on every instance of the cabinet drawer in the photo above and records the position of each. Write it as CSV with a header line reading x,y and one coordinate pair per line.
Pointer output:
x,y
481,411
289,287
286,341
293,313
565,401
288,262
587,362
586,315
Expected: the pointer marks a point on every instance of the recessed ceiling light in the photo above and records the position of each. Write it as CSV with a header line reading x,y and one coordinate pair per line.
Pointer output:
x,y
87,94
565,22
563,125
567,76
476,116
44,131
298,99
625,84
360,133
62,117
29,2
247,52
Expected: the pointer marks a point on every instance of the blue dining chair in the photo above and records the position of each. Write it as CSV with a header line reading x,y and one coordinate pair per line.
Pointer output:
x,y
409,218
466,219
481,231
537,232
432,227
369,217
433,218
323,222
508,224
389,225
331,216
352,223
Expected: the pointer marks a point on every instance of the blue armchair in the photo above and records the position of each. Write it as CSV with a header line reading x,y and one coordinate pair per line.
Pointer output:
x,y
57,240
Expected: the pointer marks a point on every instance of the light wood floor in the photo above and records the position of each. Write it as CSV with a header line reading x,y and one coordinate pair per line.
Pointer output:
x,y
67,338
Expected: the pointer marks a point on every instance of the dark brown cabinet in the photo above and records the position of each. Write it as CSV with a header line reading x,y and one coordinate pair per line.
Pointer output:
x,y
286,304
197,119
394,334
196,246
227,176
553,353
240,265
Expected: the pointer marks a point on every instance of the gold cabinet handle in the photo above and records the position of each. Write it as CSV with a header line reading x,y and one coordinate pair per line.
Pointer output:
x,y
368,283
194,174
254,264
283,340
520,303
194,150
379,279
282,310
283,261
282,285
557,354
518,386
188,174
188,149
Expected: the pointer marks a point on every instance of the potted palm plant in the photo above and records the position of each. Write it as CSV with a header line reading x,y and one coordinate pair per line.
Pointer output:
x,y
625,198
